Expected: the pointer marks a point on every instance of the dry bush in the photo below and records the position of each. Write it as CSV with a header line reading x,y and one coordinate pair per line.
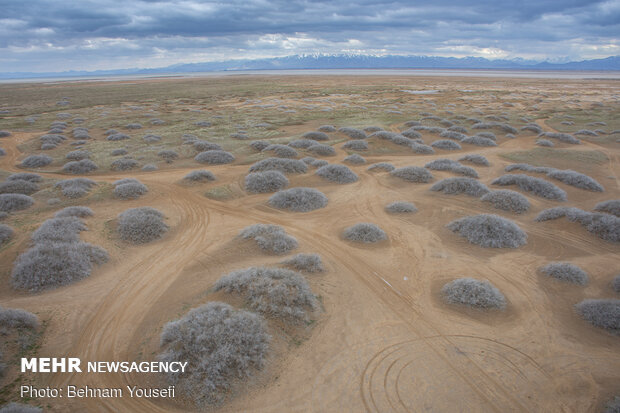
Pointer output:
x,y
355,159
130,190
78,155
141,225
460,185
446,144
413,174
259,145
15,202
489,231
36,161
401,207
316,136
286,166
562,137
124,164
533,185
119,152
6,233
356,145
74,211
507,200
270,238
80,167
473,293
545,142
382,166
214,157
327,128
267,181
302,143
76,187
565,271
603,313
200,175
339,174
364,232
305,262
221,346
168,155
475,159
281,151
353,133
478,141
422,149
452,166
609,207
18,186
117,137
298,199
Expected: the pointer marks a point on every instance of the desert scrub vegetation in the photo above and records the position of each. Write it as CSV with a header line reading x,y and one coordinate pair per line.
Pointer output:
x,y
80,167
310,263
422,149
151,138
36,161
460,185
202,146
74,211
256,145
604,226
603,313
475,158
446,145
533,185
286,166
355,159
322,150
364,232
141,225
77,155
129,189
15,202
401,207
57,256
353,133
576,179
356,145
478,141
281,151
149,167
452,166
339,174
168,155
200,175
327,128
270,238
489,231
124,164
545,143
76,187
6,233
609,207
615,283
316,136
117,137
4,133
221,346
507,200
18,186
214,157
381,166
473,293
413,174
298,199
302,143
562,137
275,292
566,272
118,152
267,181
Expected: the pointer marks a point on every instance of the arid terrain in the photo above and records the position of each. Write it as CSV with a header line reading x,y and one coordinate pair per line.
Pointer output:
x,y
383,339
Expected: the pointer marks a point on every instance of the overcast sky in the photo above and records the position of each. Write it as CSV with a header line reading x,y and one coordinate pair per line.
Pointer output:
x,y
57,35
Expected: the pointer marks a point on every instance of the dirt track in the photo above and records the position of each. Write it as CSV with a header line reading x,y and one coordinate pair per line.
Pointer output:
x,y
385,342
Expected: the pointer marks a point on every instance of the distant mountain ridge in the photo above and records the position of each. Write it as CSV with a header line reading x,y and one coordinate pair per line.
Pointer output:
x,y
340,62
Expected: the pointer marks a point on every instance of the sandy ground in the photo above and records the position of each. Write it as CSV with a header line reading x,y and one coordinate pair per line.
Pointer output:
x,y
384,342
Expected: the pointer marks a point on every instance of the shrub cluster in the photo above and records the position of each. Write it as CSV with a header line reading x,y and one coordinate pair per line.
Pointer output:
x,y
6,233
74,211
562,137
302,143
77,155
36,161
141,225
507,200
610,207
322,150
475,158
603,313
355,159
565,271
473,293
339,174
305,262
489,231
460,185
298,199
317,136
478,141
364,232
151,138
353,133
356,145
257,145
545,142
220,344
203,146
401,207
80,167
604,226
124,164
76,187
446,144
422,149
15,202
214,157
327,128
129,188
267,181
533,185
382,166
117,137
275,292
413,174
281,151
452,166
168,155
286,166
18,186
270,238
200,175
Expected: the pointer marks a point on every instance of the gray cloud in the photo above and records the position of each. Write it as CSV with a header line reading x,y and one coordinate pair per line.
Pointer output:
x,y
39,35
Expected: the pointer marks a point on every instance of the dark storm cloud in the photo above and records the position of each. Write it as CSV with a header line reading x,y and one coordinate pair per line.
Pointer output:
x,y
153,31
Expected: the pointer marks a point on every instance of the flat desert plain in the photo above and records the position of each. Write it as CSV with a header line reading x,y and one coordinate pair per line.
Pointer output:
x,y
376,332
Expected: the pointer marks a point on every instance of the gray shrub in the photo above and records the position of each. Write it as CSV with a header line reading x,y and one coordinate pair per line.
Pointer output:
x,y
267,181
460,185
422,148
615,283
76,187
124,164
258,145
353,133
356,145
401,207
130,190
413,174
452,166
6,233
119,152
339,174
576,179
221,345
610,207
604,226
149,167
545,142
298,199
270,238
319,163
473,293
364,232
66,229
200,175
507,200
562,137
283,165
322,150
446,144
133,126
302,143
151,138
74,211
382,166
305,262
327,128
281,151
489,231
19,408
77,155
80,167
16,318
475,159
36,161
214,157
15,202
565,271
603,313
117,137
275,292
533,185
18,186
168,155
4,133
315,135
478,141
141,225
354,159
